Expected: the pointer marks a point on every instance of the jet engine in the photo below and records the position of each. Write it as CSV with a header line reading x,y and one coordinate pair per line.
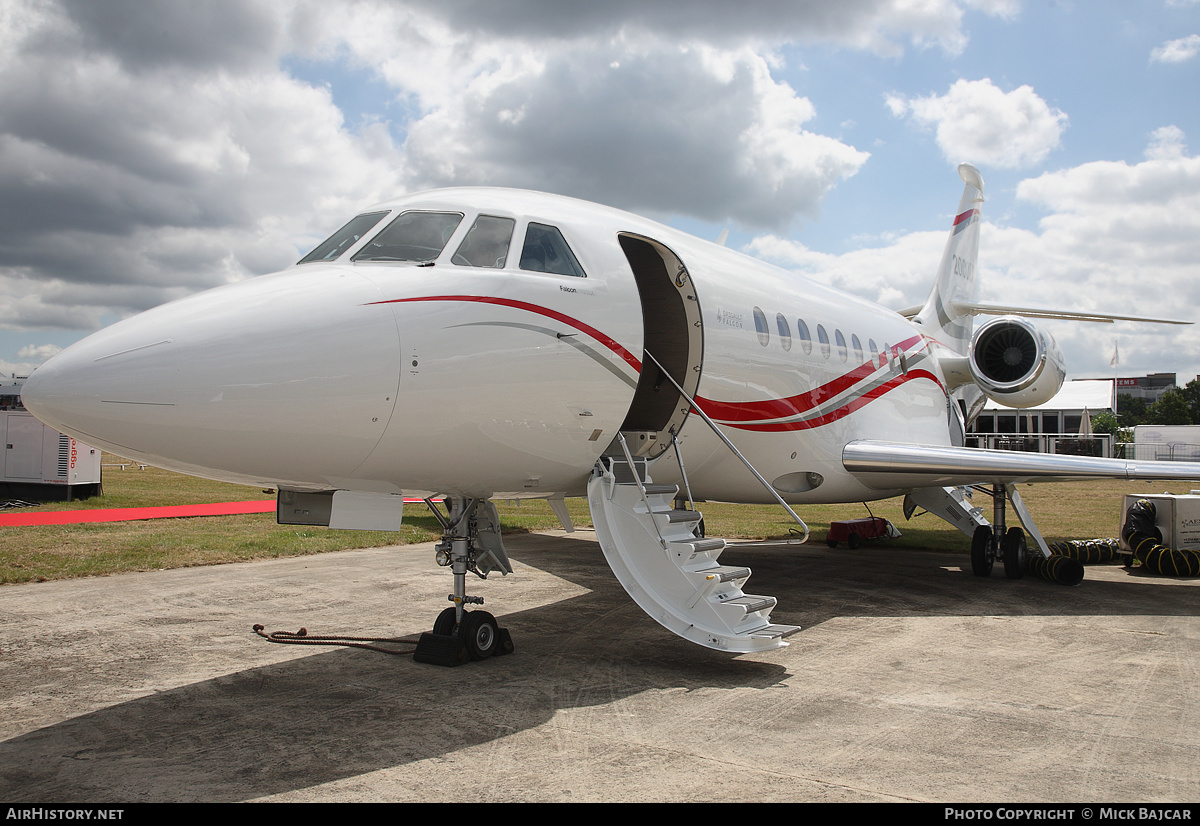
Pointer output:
x,y
1015,362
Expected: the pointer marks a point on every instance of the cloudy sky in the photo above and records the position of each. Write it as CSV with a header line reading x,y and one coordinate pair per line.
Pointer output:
x,y
150,149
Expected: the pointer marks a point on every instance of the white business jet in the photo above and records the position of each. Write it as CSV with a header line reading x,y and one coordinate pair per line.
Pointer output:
x,y
469,344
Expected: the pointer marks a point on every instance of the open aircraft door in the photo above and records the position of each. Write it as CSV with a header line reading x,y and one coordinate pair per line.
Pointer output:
x,y
673,337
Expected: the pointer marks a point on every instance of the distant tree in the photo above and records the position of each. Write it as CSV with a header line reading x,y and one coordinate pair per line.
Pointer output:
x,y
1191,397
1106,422
1172,408
1130,410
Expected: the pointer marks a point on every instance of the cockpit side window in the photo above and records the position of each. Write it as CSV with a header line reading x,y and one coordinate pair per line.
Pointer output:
x,y
546,250
413,236
486,244
332,247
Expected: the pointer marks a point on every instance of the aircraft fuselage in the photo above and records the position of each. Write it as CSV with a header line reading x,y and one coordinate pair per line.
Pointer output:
x,y
451,377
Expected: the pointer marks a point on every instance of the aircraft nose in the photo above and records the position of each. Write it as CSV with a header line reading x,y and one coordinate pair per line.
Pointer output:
x,y
284,379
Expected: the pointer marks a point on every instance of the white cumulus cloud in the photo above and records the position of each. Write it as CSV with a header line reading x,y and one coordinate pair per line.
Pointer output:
x,y
1165,143
977,121
661,130
1177,51
41,352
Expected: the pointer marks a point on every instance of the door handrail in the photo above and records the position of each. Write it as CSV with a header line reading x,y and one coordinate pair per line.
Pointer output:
x,y
730,445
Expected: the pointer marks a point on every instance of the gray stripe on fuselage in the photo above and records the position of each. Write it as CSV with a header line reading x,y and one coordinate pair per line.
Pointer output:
x,y
573,340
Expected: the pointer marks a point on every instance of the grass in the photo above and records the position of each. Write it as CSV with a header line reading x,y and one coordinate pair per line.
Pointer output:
x,y
27,554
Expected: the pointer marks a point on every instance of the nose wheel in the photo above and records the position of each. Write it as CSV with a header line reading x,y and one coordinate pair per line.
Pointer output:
x,y
481,635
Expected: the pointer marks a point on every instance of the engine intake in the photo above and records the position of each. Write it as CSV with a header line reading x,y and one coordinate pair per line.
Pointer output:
x,y
1016,363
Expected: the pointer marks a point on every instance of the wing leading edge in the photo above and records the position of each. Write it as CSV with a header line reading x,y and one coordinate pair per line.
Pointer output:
x,y
894,465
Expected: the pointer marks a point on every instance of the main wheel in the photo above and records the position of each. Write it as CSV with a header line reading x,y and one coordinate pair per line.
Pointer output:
x,y
1013,551
445,622
479,632
982,555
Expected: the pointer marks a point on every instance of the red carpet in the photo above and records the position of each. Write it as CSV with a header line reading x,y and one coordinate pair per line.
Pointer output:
x,y
130,514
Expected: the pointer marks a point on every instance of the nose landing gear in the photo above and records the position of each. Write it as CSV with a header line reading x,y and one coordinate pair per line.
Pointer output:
x,y
471,542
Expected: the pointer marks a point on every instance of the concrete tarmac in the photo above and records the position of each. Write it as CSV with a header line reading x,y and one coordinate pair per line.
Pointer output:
x,y
912,681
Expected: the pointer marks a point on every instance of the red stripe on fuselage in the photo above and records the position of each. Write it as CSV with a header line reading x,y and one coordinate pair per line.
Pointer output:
x,y
845,410
795,405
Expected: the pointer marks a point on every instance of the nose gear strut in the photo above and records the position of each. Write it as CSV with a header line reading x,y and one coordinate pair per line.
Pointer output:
x,y
470,542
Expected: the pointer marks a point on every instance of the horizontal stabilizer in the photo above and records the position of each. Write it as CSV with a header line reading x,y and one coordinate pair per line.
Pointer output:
x,y
992,308
894,466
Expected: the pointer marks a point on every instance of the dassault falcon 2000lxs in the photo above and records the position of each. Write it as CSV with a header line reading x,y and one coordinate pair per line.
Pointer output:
x,y
475,343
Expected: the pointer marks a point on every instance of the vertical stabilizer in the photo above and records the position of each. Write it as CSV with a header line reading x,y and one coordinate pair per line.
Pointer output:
x,y
956,274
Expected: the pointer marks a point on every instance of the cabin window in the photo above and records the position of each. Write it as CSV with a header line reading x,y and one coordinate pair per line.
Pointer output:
x,y
874,350
823,337
785,331
413,236
858,351
841,345
332,247
760,326
546,250
804,336
486,244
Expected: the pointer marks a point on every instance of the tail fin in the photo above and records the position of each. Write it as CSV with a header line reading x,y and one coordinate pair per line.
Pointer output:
x,y
956,275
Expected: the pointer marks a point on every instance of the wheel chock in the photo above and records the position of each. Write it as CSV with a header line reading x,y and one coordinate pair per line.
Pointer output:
x,y
449,650
441,649
504,643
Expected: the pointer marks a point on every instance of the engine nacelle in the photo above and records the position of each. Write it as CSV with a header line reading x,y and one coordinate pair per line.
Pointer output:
x,y
1016,363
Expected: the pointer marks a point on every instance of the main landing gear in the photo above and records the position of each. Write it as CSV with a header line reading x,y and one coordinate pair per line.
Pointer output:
x,y
470,542
991,543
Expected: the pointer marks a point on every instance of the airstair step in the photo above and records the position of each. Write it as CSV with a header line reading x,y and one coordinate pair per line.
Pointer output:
x,y
751,603
674,516
624,475
726,573
699,546
653,489
775,632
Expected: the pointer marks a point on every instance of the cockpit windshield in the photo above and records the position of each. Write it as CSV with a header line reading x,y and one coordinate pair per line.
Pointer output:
x,y
332,247
546,250
486,244
413,236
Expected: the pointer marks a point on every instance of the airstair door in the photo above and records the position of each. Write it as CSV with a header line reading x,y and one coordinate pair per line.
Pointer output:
x,y
673,335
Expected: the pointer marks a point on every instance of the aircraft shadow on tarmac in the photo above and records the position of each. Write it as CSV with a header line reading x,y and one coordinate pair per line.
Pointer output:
x,y
343,712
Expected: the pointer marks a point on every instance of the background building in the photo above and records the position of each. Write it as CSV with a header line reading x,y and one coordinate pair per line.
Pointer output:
x,y
1054,427
1150,388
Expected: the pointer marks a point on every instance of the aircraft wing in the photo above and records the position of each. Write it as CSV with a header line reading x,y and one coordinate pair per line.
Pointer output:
x,y
892,465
